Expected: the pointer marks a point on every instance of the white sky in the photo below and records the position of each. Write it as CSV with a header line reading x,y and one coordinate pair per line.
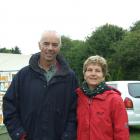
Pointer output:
x,y
23,21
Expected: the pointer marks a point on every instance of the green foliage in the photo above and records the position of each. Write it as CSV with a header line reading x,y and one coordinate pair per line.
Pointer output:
x,y
101,40
4,50
121,48
134,132
15,50
73,52
136,26
129,53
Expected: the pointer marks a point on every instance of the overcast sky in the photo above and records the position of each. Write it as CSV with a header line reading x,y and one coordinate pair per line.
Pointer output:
x,y
23,21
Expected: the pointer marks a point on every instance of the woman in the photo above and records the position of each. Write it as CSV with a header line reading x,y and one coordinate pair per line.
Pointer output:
x,y
101,112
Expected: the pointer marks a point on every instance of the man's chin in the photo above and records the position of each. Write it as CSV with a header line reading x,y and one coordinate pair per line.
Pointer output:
x,y
49,59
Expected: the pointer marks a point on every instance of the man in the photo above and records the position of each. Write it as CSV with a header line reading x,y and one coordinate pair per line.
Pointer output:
x,y
40,103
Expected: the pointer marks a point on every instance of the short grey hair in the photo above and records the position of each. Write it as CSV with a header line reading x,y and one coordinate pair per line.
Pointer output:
x,y
96,60
52,32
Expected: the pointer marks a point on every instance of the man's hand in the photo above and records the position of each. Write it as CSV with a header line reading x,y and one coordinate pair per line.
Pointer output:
x,y
23,137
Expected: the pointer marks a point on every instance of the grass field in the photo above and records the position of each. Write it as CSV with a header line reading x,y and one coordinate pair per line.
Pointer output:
x,y
135,133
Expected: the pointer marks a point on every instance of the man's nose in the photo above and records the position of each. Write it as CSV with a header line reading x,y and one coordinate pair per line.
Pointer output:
x,y
50,46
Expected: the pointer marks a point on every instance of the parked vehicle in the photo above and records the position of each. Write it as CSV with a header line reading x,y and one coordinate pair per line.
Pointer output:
x,y
131,96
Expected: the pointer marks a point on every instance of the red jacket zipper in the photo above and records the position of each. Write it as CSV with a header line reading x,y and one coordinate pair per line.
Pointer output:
x,y
89,102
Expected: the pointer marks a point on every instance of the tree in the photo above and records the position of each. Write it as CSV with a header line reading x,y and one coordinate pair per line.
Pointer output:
x,y
76,57
66,45
15,50
127,57
74,54
136,26
101,40
4,50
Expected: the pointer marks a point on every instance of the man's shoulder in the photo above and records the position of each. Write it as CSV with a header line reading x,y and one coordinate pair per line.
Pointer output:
x,y
72,73
26,68
23,70
21,74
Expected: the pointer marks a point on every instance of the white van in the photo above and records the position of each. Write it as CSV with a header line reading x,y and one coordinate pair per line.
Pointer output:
x,y
130,91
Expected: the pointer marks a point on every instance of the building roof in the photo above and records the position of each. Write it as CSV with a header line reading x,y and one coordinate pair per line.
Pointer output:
x,y
13,62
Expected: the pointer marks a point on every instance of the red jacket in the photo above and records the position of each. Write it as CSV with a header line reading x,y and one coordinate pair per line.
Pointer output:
x,y
103,117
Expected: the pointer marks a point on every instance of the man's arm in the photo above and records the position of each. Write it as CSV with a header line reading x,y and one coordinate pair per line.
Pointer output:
x,y
71,124
11,112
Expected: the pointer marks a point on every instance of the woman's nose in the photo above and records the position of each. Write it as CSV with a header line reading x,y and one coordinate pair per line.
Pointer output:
x,y
93,72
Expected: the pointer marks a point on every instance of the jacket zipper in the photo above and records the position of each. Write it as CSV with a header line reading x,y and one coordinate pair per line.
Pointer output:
x,y
89,102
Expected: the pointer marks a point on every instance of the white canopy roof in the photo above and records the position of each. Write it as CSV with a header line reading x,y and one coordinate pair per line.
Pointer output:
x,y
13,62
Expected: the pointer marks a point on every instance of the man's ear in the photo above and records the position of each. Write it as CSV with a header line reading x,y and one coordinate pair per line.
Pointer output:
x,y
39,45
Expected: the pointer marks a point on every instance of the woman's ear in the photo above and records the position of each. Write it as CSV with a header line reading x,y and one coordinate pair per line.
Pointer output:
x,y
104,78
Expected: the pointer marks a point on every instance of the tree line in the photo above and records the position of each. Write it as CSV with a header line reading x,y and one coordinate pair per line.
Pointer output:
x,y
14,50
120,47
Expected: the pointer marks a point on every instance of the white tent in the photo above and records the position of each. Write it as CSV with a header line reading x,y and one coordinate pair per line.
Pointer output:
x,y
13,62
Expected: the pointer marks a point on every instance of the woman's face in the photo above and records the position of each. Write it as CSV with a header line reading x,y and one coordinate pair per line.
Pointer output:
x,y
93,75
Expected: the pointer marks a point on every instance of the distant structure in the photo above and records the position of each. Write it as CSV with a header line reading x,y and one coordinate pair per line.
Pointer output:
x,y
13,62
10,64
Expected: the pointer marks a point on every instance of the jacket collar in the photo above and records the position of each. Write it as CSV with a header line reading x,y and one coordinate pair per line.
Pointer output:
x,y
63,67
103,96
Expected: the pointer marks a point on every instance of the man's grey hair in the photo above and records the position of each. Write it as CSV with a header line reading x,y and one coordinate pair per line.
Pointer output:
x,y
52,32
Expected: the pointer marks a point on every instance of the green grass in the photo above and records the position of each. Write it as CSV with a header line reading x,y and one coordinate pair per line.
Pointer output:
x,y
3,133
135,133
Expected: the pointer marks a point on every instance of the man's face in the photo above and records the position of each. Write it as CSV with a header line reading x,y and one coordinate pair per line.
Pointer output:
x,y
49,46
